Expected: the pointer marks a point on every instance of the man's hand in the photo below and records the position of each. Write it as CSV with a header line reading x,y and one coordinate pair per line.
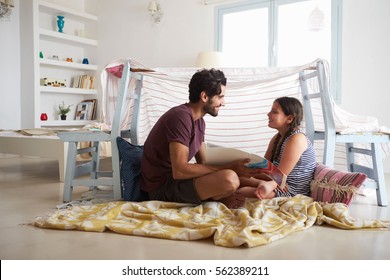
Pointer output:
x,y
239,166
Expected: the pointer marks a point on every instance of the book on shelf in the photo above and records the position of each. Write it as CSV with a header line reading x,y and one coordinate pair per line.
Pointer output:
x,y
84,82
223,155
86,110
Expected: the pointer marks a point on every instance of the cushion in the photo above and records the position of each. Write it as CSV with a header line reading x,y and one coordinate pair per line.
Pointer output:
x,y
130,170
331,185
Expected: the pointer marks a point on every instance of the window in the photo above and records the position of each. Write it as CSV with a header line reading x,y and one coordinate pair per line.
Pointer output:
x,y
299,39
243,46
280,33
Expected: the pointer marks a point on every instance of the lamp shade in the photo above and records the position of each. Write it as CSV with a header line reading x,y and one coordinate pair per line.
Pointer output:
x,y
209,60
152,6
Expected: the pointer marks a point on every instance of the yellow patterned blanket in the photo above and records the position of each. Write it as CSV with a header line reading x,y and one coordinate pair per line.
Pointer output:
x,y
258,223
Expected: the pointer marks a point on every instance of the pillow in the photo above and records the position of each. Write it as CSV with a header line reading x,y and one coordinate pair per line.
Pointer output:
x,y
130,170
331,185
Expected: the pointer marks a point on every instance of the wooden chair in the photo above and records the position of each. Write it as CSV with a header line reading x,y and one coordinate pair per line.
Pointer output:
x,y
92,167
373,141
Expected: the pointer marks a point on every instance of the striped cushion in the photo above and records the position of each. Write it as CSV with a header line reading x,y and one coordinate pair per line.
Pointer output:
x,y
331,185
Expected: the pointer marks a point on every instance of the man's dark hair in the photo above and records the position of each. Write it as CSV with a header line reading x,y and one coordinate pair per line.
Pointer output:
x,y
209,81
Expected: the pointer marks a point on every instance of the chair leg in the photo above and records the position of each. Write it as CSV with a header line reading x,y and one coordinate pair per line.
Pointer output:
x,y
377,162
350,157
117,188
375,172
70,171
95,160
329,151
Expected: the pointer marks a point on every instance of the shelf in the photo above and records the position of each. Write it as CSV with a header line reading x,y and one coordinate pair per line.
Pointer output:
x,y
47,39
65,64
59,123
70,38
68,90
61,10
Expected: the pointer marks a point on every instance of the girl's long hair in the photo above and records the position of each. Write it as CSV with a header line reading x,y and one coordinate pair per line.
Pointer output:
x,y
290,106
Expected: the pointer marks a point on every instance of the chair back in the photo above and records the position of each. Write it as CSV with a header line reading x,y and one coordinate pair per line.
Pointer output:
x,y
129,81
317,101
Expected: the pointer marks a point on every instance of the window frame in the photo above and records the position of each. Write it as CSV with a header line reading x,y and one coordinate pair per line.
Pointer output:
x,y
336,33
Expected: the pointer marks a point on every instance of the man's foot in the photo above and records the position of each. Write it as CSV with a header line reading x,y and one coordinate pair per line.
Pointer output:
x,y
233,201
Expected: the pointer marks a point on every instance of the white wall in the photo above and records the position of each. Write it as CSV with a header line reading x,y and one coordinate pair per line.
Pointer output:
x,y
366,58
10,71
126,30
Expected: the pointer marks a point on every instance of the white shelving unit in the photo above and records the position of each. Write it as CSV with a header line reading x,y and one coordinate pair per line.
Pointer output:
x,y
78,41
48,34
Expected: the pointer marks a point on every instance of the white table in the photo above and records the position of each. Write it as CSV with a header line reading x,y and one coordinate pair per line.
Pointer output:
x,y
41,146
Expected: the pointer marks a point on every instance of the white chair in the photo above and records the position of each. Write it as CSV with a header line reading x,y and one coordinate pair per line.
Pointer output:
x,y
373,141
97,177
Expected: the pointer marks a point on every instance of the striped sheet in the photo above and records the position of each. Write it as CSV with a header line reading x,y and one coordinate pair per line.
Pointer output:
x,y
241,124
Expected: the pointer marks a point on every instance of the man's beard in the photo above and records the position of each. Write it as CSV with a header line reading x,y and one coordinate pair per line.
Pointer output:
x,y
209,108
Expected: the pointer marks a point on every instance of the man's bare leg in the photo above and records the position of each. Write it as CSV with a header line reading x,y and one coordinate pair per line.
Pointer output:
x,y
220,186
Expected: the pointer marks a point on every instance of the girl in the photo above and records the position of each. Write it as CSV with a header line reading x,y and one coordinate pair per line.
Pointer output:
x,y
290,150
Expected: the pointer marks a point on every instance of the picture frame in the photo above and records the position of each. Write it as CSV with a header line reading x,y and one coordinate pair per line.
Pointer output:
x,y
82,111
86,109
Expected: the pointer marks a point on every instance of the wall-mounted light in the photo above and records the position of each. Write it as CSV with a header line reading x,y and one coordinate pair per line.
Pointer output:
x,y
6,7
155,11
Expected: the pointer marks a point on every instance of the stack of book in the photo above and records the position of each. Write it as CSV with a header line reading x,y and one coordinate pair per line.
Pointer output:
x,y
86,110
84,81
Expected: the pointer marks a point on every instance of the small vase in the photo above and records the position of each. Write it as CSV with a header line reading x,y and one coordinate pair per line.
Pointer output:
x,y
60,23
43,117
63,117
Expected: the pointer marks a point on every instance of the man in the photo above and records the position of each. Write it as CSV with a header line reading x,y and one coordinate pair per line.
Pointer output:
x,y
177,137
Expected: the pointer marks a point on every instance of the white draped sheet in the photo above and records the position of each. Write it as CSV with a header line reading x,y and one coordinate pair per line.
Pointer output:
x,y
243,122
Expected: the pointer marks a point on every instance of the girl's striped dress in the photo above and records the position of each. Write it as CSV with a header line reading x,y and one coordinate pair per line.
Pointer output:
x,y
299,179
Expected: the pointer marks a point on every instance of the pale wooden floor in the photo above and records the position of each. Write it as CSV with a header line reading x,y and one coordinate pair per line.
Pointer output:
x,y
29,187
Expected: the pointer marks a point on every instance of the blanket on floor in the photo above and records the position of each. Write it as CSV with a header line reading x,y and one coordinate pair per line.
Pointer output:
x,y
258,223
